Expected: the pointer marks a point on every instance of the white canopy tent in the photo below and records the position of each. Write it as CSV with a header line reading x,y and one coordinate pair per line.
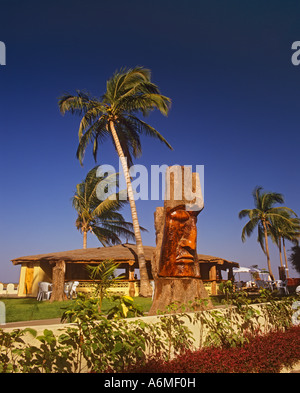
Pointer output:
x,y
263,281
247,270
262,272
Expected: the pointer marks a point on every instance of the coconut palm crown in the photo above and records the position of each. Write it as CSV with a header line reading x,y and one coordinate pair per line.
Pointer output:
x,y
100,217
127,93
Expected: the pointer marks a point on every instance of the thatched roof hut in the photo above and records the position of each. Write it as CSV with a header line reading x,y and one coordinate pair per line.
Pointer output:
x,y
36,268
41,267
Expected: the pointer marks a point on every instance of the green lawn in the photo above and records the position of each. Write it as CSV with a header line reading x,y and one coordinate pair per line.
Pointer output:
x,y
27,309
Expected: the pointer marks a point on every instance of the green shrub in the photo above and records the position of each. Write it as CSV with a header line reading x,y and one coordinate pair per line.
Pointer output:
x,y
98,344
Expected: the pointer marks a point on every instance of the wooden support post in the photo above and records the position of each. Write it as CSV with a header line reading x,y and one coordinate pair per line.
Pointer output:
x,y
58,281
29,275
131,279
213,278
230,274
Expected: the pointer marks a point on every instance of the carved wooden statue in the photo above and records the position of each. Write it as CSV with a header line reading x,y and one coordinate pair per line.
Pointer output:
x,y
175,266
179,255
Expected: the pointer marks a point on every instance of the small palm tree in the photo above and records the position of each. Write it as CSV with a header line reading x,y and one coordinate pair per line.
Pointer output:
x,y
128,92
97,216
261,217
103,275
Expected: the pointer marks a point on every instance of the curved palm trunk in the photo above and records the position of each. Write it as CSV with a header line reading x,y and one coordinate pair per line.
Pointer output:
x,y
145,289
267,251
286,261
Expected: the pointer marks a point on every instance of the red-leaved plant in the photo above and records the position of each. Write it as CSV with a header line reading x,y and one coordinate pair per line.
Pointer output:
x,y
262,354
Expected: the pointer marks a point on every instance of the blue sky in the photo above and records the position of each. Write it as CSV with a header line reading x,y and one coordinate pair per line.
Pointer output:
x,y
235,108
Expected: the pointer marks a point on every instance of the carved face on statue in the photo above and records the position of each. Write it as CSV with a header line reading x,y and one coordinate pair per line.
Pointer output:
x,y
179,251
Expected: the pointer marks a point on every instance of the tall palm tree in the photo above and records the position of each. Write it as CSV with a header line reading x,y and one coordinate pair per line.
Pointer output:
x,y
128,92
261,217
97,216
285,226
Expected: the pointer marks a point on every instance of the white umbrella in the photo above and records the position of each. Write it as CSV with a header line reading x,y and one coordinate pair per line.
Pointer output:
x,y
254,270
245,270
241,270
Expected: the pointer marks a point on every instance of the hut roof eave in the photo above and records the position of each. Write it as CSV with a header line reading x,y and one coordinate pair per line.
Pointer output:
x,y
219,261
119,253
122,252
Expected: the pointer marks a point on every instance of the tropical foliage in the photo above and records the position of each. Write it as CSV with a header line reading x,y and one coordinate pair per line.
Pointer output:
x,y
114,116
94,343
266,216
103,276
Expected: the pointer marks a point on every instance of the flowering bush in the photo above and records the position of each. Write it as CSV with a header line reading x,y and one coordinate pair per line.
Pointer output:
x,y
262,354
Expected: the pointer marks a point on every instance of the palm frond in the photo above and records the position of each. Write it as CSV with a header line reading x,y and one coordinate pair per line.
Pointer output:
x,y
244,213
92,118
107,205
129,139
76,104
95,133
282,211
271,198
249,228
251,213
123,80
106,236
144,128
103,271
257,196
144,103
124,229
